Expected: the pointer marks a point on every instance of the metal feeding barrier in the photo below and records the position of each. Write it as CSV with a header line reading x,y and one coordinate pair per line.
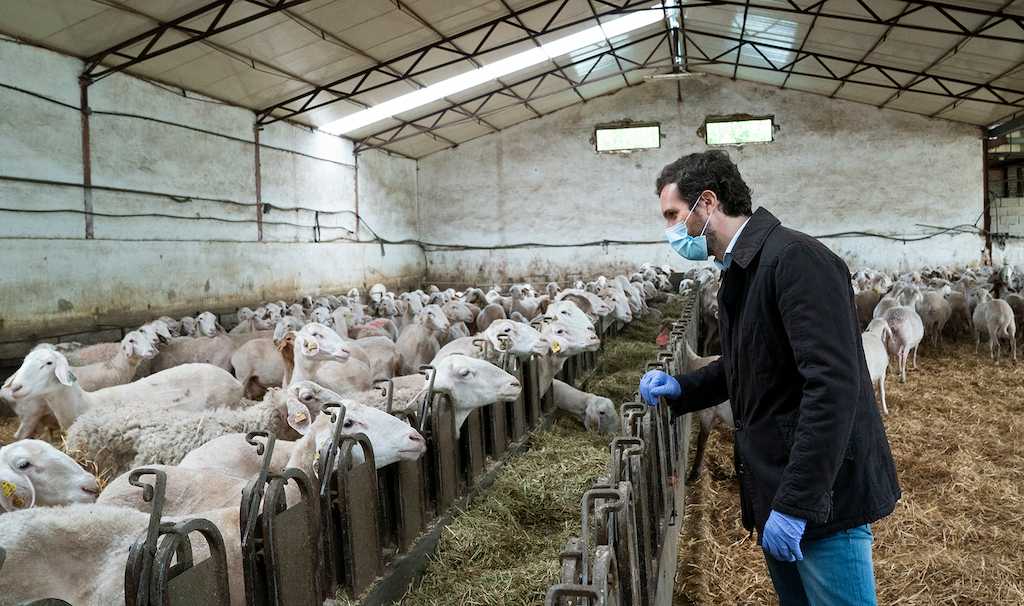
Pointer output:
x,y
630,518
350,528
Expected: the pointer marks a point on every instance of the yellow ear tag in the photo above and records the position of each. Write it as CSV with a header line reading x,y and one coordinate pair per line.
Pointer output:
x,y
556,346
300,417
9,488
309,346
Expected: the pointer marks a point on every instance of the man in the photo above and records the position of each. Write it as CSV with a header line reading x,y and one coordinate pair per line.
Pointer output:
x,y
811,456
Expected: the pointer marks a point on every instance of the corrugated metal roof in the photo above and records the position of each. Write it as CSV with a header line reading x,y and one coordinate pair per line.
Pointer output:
x,y
315,61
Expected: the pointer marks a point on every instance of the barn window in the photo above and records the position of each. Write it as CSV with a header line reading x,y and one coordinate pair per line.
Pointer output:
x,y
732,131
624,138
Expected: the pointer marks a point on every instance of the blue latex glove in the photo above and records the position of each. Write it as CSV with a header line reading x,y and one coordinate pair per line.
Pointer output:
x,y
657,384
781,538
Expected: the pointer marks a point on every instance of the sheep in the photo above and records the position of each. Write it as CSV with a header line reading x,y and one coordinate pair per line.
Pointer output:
x,y
935,311
135,348
214,350
995,318
721,412
188,326
959,318
381,355
876,354
470,383
87,547
866,301
596,413
489,314
173,326
34,473
522,340
884,304
132,435
321,356
1016,303
192,488
907,332
590,303
418,343
46,373
522,302
616,298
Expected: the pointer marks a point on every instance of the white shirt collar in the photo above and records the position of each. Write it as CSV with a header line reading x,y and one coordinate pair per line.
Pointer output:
x,y
736,236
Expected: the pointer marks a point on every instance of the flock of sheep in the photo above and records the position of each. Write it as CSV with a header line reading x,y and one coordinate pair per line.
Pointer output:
x,y
180,395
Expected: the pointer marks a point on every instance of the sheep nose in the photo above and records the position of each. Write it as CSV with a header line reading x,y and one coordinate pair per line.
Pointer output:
x,y
415,437
515,384
16,388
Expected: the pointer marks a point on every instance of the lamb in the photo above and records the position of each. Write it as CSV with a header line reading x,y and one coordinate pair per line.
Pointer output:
x,y
135,348
392,440
418,343
708,417
995,318
907,332
470,383
93,542
876,354
196,387
596,413
34,473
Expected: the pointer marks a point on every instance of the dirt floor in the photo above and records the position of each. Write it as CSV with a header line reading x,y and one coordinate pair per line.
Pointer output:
x,y
957,432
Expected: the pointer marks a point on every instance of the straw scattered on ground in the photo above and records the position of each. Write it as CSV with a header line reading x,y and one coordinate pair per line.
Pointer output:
x,y
957,433
505,548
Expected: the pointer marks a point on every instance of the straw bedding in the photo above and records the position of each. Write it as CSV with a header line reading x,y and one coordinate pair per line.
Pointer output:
x,y
957,433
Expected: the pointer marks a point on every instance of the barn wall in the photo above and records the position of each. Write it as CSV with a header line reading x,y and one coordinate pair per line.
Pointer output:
x,y
835,166
155,152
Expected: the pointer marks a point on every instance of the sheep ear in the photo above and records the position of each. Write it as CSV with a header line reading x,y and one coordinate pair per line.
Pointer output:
x,y
279,331
299,417
17,493
63,371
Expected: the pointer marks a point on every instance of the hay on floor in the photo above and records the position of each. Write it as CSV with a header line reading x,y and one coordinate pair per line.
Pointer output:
x,y
957,433
505,548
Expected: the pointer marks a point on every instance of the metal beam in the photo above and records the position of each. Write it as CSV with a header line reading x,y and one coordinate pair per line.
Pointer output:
x,y
353,84
94,69
908,8
872,17
803,42
986,84
561,72
743,32
989,22
849,77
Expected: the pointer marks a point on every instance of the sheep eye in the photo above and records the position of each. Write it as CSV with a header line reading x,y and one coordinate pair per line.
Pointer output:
x,y
23,465
348,423
49,363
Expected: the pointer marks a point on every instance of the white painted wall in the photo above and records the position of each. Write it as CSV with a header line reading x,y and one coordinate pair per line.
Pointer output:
x,y
182,157
835,166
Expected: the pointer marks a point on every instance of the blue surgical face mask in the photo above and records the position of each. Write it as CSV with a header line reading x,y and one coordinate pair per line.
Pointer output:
x,y
694,248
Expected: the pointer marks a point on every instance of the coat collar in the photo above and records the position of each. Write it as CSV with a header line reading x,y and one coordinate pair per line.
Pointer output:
x,y
761,224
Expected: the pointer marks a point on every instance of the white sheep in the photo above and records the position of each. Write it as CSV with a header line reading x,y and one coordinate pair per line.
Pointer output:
x,y
135,348
322,356
522,340
198,488
86,547
34,473
935,311
46,373
596,413
469,382
907,332
418,343
875,341
994,317
123,437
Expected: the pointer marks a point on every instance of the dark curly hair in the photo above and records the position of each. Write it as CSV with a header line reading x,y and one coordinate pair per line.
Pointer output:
x,y
711,170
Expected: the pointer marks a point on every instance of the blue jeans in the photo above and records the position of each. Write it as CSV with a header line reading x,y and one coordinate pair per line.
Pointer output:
x,y
835,571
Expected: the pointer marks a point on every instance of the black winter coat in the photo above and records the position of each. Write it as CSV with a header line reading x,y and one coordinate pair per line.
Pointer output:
x,y
809,440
